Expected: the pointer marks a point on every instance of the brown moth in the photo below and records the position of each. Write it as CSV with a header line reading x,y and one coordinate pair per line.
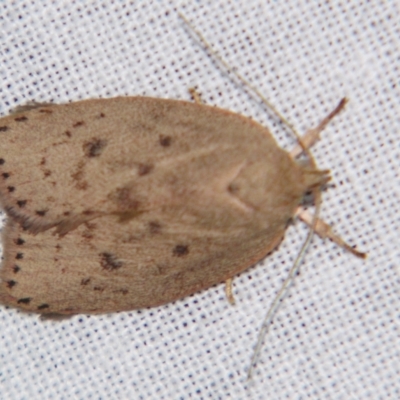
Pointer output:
x,y
131,202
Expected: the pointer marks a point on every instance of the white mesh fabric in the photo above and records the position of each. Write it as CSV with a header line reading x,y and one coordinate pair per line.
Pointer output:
x,y
337,334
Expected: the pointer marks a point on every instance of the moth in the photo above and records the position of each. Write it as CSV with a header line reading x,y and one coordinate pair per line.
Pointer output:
x,y
131,202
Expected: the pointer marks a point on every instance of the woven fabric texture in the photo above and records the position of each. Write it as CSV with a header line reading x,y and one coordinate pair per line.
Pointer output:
x,y
337,334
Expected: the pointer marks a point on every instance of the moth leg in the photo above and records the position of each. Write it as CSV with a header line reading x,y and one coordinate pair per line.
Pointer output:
x,y
229,291
324,230
195,95
312,136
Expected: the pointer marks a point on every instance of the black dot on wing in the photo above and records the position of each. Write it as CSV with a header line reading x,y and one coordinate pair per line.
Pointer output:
x,y
180,250
165,141
25,300
41,213
21,203
154,227
10,284
94,147
144,169
85,281
21,118
109,261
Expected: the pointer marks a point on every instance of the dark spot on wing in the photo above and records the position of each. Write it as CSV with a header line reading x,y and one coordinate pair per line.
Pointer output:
x,y
19,256
144,169
102,115
3,128
85,281
47,173
5,175
11,189
41,213
88,212
94,147
21,119
99,288
233,188
154,227
11,284
22,203
2,161
19,241
78,176
16,269
109,261
25,300
125,199
68,134
165,141
43,306
63,142
45,111
77,124
180,250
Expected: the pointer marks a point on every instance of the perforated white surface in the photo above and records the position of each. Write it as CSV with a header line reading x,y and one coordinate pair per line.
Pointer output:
x,y
337,334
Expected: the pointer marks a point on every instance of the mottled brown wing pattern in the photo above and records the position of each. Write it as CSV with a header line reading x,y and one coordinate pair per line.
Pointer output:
x,y
134,202
105,265
66,164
